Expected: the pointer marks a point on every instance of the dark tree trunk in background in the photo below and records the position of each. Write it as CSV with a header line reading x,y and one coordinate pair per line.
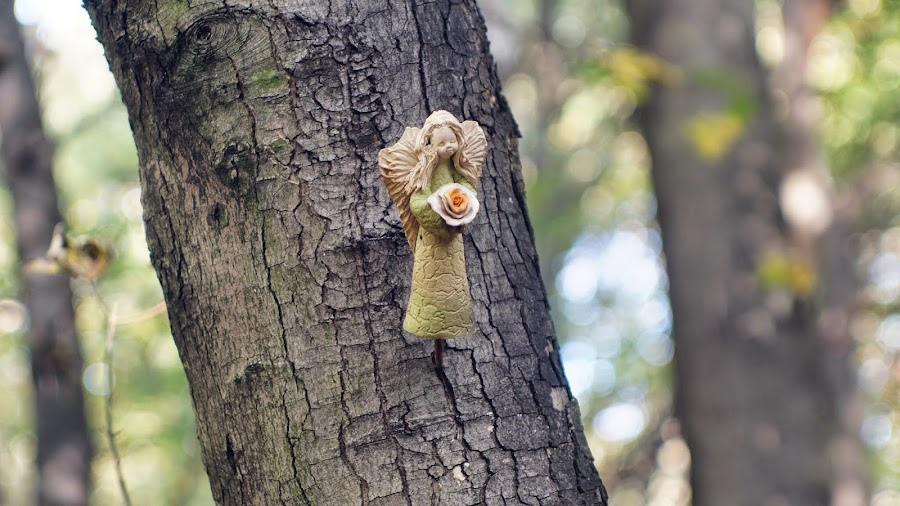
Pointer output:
x,y
286,272
63,445
759,369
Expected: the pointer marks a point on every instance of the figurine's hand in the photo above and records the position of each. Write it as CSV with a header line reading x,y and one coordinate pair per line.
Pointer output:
x,y
455,203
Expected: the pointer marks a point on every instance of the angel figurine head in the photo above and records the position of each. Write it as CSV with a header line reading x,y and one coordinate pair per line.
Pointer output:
x,y
438,128
431,174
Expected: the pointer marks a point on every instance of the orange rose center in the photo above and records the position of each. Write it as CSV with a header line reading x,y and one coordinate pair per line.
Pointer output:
x,y
458,201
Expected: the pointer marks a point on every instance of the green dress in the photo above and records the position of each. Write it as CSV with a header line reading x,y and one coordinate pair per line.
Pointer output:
x,y
439,306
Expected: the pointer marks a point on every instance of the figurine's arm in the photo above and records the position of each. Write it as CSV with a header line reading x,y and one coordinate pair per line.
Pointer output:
x,y
427,218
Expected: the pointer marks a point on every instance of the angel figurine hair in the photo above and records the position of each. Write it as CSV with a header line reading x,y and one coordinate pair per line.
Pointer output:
x,y
431,174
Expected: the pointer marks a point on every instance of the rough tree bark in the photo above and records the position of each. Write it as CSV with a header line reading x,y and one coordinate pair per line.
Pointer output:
x,y
757,369
63,443
285,269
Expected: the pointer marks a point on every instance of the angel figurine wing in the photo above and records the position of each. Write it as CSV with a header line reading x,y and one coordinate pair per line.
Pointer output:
x,y
474,150
397,164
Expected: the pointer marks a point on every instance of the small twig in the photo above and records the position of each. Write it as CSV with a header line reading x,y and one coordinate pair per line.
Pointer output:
x,y
143,315
110,435
108,404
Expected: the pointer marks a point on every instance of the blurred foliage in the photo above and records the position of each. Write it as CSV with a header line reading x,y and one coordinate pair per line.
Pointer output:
x,y
779,270
712,134
80,257
632,70
573,84
856,68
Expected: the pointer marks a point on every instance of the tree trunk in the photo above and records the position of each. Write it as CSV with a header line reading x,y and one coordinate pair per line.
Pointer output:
x,y
285,269
755,372
63,443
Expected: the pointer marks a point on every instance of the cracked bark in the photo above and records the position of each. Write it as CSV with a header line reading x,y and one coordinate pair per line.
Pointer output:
x,y
761,374
285,269
63,444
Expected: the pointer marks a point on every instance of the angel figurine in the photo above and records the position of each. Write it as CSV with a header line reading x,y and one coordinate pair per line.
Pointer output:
x,y
431,174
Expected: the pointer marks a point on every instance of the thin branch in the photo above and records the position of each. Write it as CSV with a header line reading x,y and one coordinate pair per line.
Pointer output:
x,y
108,403
143,315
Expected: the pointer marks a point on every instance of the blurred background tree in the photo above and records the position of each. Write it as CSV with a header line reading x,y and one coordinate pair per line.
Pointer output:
x,y
760,296
573,83
63,453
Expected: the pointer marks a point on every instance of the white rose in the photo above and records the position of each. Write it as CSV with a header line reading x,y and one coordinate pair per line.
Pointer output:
x,y
456,204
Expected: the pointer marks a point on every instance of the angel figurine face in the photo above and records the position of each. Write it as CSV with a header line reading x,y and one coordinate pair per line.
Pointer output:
x,y
444,142
431,174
